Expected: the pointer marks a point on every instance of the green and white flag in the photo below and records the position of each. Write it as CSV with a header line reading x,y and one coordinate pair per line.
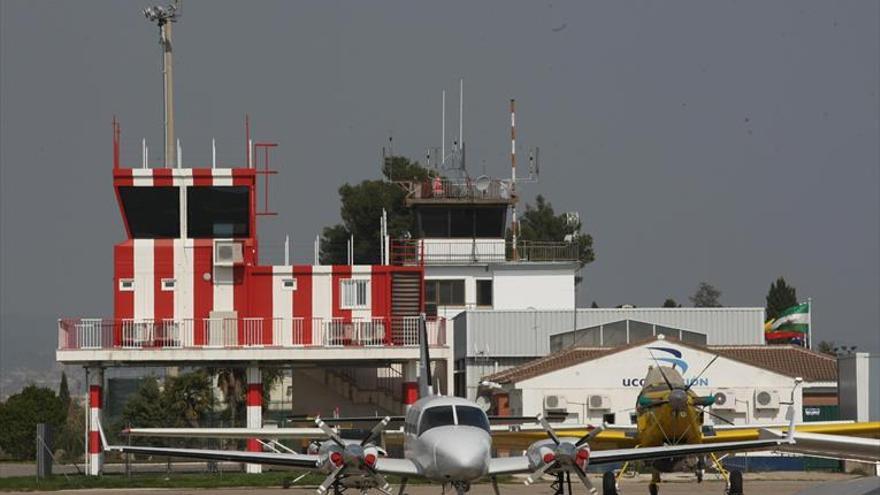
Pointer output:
x,y
795,319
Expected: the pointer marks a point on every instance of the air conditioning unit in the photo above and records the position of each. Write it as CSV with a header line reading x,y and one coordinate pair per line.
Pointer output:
x,y
555,403
766,398
227,253
725,399
599,402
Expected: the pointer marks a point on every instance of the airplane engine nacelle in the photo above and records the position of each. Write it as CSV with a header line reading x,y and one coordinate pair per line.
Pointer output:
x,y
545,452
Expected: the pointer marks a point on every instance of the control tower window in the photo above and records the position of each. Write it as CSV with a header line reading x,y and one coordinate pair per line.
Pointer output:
x,y
151,212
218,211
457,222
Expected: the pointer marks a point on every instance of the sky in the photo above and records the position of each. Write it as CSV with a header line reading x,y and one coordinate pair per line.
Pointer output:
x,y
728,142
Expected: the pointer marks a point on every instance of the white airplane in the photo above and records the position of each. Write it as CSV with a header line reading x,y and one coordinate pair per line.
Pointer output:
x,y
447,440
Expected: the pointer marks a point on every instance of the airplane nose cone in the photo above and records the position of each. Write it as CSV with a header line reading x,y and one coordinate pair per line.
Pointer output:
x,y
678,400
462,457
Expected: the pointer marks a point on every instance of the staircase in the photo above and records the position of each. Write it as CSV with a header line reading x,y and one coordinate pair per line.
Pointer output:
x,y
380,388
406,298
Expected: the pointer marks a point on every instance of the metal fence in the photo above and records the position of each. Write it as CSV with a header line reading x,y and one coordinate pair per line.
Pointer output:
x,y
422,252
109,333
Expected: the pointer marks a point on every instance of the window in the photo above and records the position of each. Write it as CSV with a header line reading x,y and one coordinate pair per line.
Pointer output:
x,y
484,292
443,293
126,284
436,416
168,284
288,284
151,212
354,293
608,418
490,222
434,222
472,416
218,211
456,222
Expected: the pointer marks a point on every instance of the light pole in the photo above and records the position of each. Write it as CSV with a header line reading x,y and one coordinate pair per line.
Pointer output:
x,y
164,17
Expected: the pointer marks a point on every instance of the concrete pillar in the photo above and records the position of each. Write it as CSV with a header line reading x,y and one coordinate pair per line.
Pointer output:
x,y
254,413
96,401
410,383
450,378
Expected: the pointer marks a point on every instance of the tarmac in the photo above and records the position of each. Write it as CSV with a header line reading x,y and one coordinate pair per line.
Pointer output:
x,y
848,486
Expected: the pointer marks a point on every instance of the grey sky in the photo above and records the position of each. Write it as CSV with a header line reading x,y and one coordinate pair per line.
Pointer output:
x,y
730,142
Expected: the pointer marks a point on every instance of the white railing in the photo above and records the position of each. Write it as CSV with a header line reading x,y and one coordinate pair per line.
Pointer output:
x,y
177,333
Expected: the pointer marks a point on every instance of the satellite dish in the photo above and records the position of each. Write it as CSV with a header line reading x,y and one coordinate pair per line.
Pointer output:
x,y
482,183
483,403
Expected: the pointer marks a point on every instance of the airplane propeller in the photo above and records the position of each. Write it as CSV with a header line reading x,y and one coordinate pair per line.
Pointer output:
x,y
565,455
353,455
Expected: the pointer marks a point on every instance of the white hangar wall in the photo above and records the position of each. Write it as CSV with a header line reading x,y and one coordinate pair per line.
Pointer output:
x,y
617,376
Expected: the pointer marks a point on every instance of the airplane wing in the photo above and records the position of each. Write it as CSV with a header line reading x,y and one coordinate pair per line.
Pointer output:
x,y
294,433
520,464
835,446
521,438
269,458
731,433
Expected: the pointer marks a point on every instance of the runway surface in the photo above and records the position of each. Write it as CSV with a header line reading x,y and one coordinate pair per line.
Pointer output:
x,y
761,487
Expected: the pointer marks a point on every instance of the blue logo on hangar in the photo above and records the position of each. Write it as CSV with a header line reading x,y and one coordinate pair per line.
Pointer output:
x,y
673,357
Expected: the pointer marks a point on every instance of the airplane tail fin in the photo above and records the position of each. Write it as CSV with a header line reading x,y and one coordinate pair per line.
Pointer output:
x,y
426,385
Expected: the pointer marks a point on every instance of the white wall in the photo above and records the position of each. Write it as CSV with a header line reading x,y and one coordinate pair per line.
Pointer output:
x,y
546,288
514,286
617,376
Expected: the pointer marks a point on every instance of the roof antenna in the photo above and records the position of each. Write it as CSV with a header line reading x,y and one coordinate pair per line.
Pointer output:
x,y
164,17
443,132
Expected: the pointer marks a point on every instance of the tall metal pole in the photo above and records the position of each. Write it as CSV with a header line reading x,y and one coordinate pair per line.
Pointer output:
x,y
514,223
168,80
443,131
810,323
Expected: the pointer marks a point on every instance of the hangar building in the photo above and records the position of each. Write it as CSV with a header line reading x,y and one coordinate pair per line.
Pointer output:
x,y
487,341
595,384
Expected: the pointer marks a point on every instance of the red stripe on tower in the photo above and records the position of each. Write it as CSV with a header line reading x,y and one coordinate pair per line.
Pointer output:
x,y
340,273
302,300
380,296
203,286
123,300
163,267
162,177
202,177
260,301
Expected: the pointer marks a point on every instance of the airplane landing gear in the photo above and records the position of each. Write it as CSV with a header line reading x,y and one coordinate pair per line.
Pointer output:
x,y
560,482
609,483
735,482
654,487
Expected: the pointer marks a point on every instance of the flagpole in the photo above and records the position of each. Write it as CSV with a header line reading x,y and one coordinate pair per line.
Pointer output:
x,y
810,323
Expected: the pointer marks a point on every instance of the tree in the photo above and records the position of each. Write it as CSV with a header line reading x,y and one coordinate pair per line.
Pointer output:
x,y
780,297
145,408
594,305
361,209
670,303
826,347
706,296
541,223
187,398
69,443
20,415
64,391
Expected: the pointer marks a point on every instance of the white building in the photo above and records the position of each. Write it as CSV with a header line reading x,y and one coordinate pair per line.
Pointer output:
x,y
486,341
592,384
859,385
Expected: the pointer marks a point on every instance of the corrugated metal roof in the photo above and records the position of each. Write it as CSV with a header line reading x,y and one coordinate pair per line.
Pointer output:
x,y
787,360
523,333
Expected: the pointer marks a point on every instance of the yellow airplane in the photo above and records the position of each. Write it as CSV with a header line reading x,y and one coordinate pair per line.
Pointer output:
x,y
670,413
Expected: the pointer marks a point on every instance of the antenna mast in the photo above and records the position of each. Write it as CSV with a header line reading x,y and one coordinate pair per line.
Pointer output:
x,y
164,17
513,221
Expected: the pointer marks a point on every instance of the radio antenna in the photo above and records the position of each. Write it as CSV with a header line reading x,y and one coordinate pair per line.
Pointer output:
x,y
164,17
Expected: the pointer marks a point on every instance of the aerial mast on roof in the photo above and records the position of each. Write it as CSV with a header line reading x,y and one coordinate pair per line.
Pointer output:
x,y
164,17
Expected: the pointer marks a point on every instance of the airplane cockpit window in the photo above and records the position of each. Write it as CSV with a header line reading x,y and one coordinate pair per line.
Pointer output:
x,y
436,416
472,416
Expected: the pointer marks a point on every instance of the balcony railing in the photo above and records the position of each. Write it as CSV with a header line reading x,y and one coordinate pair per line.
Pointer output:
x,y
462,251
459,189
109,333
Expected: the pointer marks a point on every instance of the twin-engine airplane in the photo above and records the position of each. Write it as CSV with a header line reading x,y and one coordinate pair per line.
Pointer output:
x,y
447,440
